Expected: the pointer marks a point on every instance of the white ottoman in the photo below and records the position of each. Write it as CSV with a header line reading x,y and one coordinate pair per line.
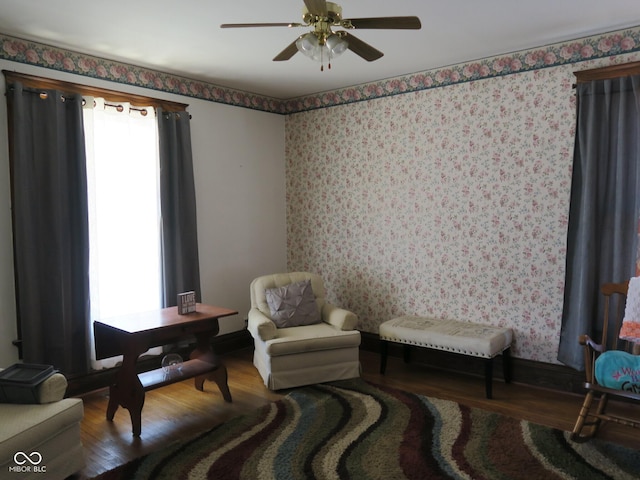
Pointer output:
x,y
464,338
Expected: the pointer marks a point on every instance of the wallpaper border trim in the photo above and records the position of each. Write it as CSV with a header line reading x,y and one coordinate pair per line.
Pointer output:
x,y
573,51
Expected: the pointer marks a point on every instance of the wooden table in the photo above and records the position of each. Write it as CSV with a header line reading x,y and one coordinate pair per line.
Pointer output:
x,y
132,335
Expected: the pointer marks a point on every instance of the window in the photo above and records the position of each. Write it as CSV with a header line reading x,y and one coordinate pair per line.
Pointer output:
x,y
50,213
124,210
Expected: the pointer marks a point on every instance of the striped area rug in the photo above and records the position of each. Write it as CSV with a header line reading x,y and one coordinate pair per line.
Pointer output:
x,y
356,430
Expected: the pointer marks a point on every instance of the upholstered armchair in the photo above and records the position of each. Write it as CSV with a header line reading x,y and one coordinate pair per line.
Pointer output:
x,y
299,338
48,426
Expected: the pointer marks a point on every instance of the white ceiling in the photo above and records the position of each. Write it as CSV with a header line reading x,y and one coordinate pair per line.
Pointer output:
x,y
183,37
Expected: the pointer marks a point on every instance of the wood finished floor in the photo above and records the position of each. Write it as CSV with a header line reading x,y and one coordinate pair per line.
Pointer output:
x,y
179,411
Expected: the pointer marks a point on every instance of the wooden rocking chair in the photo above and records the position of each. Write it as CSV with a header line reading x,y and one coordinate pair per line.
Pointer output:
x,y
594,407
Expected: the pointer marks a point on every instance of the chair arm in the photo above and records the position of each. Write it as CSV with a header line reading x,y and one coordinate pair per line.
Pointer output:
x,y
52,389
591,350
588,342
260,326
339,317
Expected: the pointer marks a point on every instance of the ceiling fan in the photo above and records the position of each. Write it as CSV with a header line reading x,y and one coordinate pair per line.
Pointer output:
x,y
322,43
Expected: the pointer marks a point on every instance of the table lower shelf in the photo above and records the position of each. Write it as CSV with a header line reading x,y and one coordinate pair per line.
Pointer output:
x,y
191,368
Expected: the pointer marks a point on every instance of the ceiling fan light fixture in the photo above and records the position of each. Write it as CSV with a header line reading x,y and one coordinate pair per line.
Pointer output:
x,y
336,45
311,46
308,44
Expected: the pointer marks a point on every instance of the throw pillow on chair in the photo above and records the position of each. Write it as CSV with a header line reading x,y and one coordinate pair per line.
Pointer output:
x,y
619,370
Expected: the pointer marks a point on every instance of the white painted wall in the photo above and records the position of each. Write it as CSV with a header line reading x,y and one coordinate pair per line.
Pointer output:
x,y
240,191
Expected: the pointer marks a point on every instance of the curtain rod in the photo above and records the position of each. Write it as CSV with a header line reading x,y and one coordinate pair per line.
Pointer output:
x,y
607,73
119,107
43,83
143,111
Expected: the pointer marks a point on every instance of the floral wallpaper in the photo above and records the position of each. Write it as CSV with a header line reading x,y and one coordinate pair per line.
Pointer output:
x,y
450,202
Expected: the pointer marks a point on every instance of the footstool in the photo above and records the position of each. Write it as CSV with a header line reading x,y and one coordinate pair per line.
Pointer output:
x,y
464,338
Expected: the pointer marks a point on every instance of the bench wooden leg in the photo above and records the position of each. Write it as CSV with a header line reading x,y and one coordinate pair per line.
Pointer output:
x,y
384,347
406,352
506,365
384,350
488,371
488,377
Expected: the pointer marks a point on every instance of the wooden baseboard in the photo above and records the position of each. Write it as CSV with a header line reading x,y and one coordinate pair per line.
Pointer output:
x,y
528,372
538,374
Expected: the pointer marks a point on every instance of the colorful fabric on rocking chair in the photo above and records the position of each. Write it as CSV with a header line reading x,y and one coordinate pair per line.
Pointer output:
x,y
631,323
619,370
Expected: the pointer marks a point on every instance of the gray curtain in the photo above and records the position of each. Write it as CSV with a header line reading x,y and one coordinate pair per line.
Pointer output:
x,y
605,198
51,245
181,268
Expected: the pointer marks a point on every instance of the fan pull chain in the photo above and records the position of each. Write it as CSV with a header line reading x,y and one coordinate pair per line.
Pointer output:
x,y
322,61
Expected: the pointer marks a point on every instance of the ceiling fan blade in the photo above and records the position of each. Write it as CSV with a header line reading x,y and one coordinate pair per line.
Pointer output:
x,y
245,25
287,53
400,23
363,49
316,7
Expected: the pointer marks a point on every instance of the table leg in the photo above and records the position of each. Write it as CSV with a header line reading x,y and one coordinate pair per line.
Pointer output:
x,y
113,403
134,403
204,352
127,391
219,375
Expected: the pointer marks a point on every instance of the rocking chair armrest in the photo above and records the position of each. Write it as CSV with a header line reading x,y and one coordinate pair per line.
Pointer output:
x,y
588,342
591,351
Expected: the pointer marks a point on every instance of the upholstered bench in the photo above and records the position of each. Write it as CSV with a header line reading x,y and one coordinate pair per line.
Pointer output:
x,y
463,338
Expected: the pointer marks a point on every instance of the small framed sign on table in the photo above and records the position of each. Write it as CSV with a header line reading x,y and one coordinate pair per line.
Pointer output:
x,y
186,303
